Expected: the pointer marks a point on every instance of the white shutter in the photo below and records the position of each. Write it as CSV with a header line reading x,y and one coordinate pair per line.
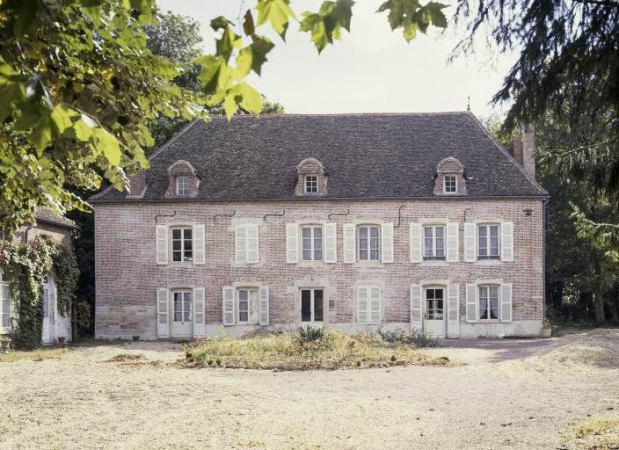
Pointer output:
x,y
386,237
453,310
453,242
506,302
253,243
415,242
227,296
349,243
416,308
163,317
330,242
199,327
198,244
162,244
507,241
472,304
240,244
264,305
374,305
362,304
470,244
292,243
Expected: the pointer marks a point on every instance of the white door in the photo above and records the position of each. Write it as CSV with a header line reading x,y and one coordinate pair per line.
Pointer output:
x,y
182,314
49,313
434,312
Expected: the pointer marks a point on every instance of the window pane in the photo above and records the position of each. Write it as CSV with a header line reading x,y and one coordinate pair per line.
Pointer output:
x,y
176,256
494,240
483,302
363,243
483,241
374,232
306,232
187,233
306,308
440,242
374,243
494,302
318,244
428,232
243,305
178,307
318,306
187,306
176,245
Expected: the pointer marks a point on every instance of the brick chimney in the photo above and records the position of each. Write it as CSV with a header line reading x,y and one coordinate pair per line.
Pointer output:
x,y
523,149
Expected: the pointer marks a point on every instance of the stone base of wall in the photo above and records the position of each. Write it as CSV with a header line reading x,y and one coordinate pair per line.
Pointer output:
x,y
519,328
124,322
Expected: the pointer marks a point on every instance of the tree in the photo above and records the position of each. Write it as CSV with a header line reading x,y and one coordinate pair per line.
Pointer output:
x,y
78,87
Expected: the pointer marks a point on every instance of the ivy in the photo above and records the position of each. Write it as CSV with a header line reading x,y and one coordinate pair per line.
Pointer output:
x,y
26,268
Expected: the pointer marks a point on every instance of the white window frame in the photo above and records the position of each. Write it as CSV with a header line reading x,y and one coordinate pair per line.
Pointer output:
x,y
182,228
313,304
455,178
434,256
310,184
5,314
249,291
425,301
488,256
488,287
182,186
182,293
369,242
313,248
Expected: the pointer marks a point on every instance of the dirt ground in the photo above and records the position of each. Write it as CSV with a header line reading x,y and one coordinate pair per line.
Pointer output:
x,y
513,394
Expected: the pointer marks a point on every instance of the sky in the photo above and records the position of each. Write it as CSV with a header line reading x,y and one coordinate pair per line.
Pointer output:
x,y
372,70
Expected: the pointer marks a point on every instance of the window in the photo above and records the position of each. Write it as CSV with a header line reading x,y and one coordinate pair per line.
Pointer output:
x,y
312,305
182,306
450,184
311,243
5,306
488,246
182,186
311,184
246,297
489,302
434,242
182,244
368,239
434,303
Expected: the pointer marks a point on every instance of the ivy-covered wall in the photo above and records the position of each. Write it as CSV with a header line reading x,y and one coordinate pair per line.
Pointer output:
x,y
26,267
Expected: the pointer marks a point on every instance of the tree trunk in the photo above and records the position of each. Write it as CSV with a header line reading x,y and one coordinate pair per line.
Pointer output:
x,y
598,290
614,309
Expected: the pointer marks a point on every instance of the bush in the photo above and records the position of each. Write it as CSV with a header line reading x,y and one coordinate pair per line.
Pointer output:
x,y
416,338
308,334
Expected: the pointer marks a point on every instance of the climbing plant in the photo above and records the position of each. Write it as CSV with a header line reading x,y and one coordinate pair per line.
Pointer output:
x,y
26,268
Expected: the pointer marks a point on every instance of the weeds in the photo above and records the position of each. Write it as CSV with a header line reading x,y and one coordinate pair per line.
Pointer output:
x,y
34,355
416,338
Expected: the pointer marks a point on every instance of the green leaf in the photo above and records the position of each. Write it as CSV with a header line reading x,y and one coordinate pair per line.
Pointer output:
x,y
108,144
327,24
254,56
62,117
411,16
215,74
277,12
24,16
248,24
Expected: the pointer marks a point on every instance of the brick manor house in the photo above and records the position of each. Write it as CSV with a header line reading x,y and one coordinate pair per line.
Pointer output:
x,y
356,222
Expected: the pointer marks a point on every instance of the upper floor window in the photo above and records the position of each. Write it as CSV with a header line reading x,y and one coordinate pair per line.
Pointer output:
x,y
368,243
434,242
312,305
182,186
450,184
488,302
311,184
182,244
488,242
312,178
311,243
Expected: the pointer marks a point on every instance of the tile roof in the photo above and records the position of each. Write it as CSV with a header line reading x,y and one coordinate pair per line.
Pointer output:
x,y
45,215
365,156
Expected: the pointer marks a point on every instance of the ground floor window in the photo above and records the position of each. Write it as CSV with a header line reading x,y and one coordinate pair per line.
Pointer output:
x,y
312,305
182,306
5,306
245,299
489,302
435,302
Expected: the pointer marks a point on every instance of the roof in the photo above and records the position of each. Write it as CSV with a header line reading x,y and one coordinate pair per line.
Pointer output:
x,y
366,156
45,215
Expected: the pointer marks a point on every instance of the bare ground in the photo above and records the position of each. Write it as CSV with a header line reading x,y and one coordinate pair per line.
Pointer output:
x,y
512,395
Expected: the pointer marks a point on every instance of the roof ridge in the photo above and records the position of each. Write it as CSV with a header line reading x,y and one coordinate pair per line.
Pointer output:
x,y
353,114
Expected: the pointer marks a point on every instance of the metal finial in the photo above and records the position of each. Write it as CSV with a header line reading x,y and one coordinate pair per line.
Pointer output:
x,y
468,103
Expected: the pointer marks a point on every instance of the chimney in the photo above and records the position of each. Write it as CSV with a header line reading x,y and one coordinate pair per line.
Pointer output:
x,y
528,149
517,149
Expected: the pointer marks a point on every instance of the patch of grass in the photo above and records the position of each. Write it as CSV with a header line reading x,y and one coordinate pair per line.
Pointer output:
x,y
416,338
597,433
333,350
34,355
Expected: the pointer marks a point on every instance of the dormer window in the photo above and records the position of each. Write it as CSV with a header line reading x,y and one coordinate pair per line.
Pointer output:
x,y
450,184
182,186
449,178
311,184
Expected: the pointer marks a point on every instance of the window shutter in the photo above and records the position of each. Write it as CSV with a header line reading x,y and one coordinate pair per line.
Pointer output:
x,y
507,241
453,242
362,304
240,244
292,243
453,310
386,237
162,244
264,305
470,244
415,242
506,302
198,244
416,308
228,304
253,243
349,243
163,318
374,304
472,304
331,242
199,327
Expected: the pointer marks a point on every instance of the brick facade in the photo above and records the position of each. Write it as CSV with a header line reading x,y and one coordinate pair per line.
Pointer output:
x,y
128,275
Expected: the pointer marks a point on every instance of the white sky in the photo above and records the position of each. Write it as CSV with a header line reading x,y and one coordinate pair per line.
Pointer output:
x,y
372,70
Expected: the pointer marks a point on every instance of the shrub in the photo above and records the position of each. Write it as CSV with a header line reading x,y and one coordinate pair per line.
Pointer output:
x,y
308,334
416,338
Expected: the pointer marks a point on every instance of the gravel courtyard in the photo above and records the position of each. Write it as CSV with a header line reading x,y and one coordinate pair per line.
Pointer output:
x,y
511,395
